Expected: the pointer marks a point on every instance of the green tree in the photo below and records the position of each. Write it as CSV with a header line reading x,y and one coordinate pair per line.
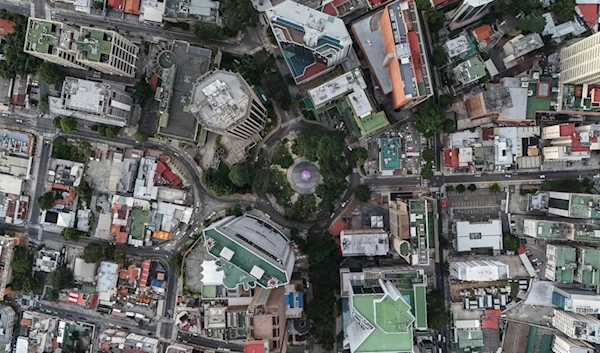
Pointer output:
x,y
472,187
61,278
510,242
430,119
359,155
460,188
140,136
68,124
362,193
207,31
51,74
112,131
30,284
449,188
532,23
437,316
176,262
427,171
428,155
439,58
302,209
15,60
495,188
282,157
70,234
446,100
237,15
240,174
93,252
564,10
143,90
46,201
44,102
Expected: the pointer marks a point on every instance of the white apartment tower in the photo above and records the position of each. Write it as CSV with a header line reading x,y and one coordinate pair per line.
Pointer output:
x,y
577,326
225,104
7,323
470,9
102,50
52,41
561,344
579,62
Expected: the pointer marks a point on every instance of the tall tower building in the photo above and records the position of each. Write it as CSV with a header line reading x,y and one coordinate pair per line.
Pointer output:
x,y
579,62
225,104
52,41
577,326
469,11
102,50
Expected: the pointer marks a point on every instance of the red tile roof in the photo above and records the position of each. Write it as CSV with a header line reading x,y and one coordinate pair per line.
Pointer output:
x,y
567,129
258,347
483,32
590,13
413,41
451,158
115,4
132,7
311,71
490,319
6,26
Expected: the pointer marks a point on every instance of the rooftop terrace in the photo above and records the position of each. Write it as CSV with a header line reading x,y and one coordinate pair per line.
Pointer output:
x,y
585,206
46,36
390,153
95,45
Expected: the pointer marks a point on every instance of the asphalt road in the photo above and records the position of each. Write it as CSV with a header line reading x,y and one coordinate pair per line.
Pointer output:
x,y
40,179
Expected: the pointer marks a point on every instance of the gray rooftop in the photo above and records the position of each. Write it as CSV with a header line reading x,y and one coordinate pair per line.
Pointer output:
x,y
497,99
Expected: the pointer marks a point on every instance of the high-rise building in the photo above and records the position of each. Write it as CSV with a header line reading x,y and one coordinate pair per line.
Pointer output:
x,y
312,42
469,11
7,323
104,103
250,251
99,49
392,41
577,326
107,51
561,344
382,307
7,253
266,322
52,41
579,62
225,104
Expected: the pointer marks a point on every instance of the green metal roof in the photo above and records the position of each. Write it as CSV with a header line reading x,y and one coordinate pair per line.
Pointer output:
x,y
565,255
470,338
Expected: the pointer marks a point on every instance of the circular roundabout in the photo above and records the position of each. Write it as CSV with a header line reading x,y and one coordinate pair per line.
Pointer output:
x,y
304,176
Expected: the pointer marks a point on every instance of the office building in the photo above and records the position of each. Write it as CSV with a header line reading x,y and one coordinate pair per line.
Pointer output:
x,y
561,344
103,103
393,45
577,326
479,270
469,11
364,242
266,322
561,263
107,51
53,42
250,251
102,50
225,104
382,308
479,235
574,205
576,300
579,62
7,324
312,42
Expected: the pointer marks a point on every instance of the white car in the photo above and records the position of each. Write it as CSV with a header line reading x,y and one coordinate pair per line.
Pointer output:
x,y
507,176
344,204
477,175
542,176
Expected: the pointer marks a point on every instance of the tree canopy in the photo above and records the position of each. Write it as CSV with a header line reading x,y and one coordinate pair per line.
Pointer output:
x,y
510,242
140,136
437,317
15,60
237,15
239,174
207,31
532,23
93,252
67,123
472,187
282,156
460,188
46,201
564,10
430,119
428,155
61,278
51,74
362,193
70,234
359,155
143,90
495,188
427,170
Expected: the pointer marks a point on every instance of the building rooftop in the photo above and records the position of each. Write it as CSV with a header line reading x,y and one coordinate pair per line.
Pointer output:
x,y
108,274
469,70
520,46
86,96
346,84
220,99
6,27
459,47
251,251
574,205
383,309
95,44
553,230
390,153
364,242
46,36
561,264
473,235
367,33
470,338
421,229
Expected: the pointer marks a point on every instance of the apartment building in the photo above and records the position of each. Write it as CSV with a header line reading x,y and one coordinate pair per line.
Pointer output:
x,y
579,62
251,252
561,344
224,103
468,12
104,103
576,300
7,324
52,41
312,42
86,47
572,205
266,322
395,52
410,225
7,252
577,326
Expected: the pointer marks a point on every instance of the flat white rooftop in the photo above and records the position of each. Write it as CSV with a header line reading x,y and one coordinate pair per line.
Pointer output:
x,y
315,24
83,95
364,242
220,99
352,84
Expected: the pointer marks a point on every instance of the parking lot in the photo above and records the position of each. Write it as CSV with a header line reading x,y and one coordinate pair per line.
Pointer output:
x,y
474,206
